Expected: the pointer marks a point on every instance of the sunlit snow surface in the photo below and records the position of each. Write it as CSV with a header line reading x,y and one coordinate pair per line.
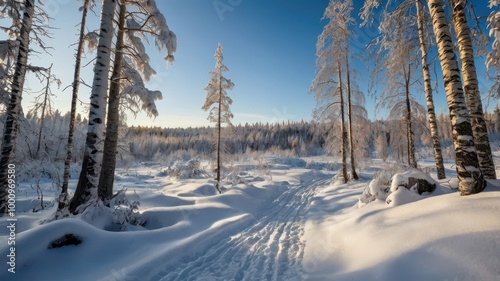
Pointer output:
x,y
288,223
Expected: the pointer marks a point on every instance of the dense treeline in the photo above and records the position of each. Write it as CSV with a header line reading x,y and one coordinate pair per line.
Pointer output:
x,y
300,138
385,139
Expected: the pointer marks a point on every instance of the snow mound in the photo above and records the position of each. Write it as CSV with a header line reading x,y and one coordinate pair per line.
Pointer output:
x,y
402,196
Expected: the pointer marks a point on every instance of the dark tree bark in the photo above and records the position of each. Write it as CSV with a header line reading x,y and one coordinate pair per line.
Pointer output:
x,y
44,107
63,197
343,130
349,120
14,106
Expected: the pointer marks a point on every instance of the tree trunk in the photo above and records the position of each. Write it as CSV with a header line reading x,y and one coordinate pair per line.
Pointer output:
x,y
470,178
349,120
412,161
219,134
107,177
63,197
88,181
473,96
342,127
44,107
431,113
14,107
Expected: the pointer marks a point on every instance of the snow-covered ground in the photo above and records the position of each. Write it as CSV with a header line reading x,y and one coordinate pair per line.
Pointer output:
x,y
285,220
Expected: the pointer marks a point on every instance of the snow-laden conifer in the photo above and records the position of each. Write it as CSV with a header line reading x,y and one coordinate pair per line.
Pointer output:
x,y
217,103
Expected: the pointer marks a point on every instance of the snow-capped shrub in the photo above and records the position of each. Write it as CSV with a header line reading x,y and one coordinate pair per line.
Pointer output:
x,y
120,215
234,177
263,168
378,188
125,210
68,239
289,161
327,166
190,169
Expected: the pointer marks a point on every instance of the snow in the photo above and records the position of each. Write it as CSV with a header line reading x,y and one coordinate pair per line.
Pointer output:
x,y
294,224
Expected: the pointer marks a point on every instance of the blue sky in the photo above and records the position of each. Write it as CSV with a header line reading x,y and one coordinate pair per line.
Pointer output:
x,y
269,48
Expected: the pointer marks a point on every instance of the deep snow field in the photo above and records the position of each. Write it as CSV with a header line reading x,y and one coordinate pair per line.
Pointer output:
x,y
277,219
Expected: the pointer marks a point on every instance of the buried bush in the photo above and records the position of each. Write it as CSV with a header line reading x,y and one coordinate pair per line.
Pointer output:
x,y
66,240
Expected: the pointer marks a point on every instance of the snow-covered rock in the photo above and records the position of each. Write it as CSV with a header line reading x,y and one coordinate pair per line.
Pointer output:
x,y
413,179
402,188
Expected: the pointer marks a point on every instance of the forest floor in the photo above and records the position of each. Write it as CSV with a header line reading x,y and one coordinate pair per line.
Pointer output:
x,y
290,219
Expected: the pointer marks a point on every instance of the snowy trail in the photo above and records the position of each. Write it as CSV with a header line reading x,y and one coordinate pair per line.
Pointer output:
x,y
270,249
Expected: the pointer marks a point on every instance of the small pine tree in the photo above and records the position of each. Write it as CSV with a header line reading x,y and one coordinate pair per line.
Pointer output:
x,y
216,94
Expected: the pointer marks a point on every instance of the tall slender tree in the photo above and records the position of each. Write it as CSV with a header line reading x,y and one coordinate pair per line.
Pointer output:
x,y
220,114
63,196
350,114
493,58
431,113
470,178
14,106
471,88
89,176
343,131
332,63
106,177
403,11
399,62
43,101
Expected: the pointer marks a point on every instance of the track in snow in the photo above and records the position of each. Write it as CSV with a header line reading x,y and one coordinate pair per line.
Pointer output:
x,y
270,249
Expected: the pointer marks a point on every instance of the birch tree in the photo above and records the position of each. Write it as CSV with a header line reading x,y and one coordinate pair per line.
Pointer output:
x,y
14,106
332,94
471,88
89,176
397,54
131,68
404,10
493,58
431,113
220,113
470,178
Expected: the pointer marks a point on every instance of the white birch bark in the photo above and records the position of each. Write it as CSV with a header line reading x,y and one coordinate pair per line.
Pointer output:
x,y
89,177
471,87
431,113
470,178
